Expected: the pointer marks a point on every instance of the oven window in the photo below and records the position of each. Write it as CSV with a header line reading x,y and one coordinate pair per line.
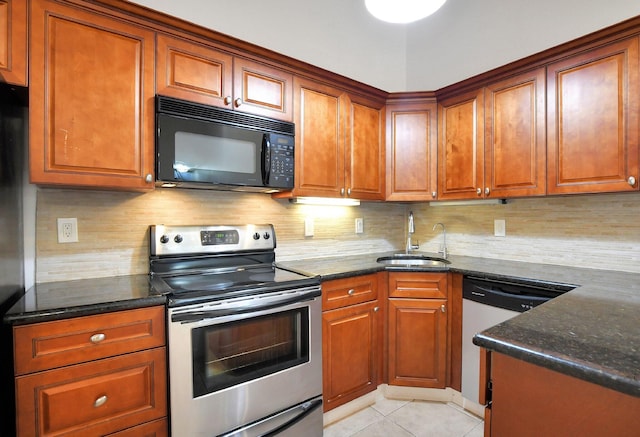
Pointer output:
x,y
235,352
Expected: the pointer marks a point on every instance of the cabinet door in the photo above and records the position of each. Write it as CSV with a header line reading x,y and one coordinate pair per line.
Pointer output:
x,y
91,99
364,160
93,398
418,342
515,142
319,140
13,44
193,72
350,351
592,120
461,147
412,151
262,90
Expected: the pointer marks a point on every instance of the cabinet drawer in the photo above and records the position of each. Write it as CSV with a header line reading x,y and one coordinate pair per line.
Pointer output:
x,y
93,398
418,285
47,345
348,291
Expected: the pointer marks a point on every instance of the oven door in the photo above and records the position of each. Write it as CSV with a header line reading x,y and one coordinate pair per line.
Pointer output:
x,y
233,363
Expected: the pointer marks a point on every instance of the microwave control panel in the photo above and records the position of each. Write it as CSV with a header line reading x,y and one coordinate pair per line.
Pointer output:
x,y
280,162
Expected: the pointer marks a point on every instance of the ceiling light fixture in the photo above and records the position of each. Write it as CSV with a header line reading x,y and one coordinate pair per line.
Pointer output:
x,y
402,11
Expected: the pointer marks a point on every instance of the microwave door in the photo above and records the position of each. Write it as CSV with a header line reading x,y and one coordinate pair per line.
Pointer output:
x,y
202,152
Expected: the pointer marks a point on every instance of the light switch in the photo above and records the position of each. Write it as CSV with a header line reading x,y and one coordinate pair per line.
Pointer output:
x,y
499,228
308,227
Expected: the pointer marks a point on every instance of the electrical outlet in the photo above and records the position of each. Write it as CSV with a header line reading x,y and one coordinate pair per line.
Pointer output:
x,y
499,228
359,225
308,227
67,230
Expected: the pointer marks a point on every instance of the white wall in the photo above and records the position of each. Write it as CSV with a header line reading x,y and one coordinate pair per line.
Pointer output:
x,y
336,35
463,38
468,37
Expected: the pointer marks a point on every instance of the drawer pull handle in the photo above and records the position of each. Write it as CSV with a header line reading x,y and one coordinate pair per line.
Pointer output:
x,y
350,292
97,338
100,401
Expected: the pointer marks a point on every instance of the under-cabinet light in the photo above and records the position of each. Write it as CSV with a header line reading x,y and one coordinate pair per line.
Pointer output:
x,y
469,202
326,201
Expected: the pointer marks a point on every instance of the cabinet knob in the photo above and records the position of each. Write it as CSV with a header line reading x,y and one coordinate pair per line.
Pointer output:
x,y
632,181
227,100
350,292
349,192
478,191
443,308
434,194
97,338
376,309
487,191
148,178
237,102
100,401
342,191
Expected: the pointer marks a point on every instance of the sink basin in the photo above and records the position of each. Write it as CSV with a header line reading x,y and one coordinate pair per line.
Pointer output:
x,y
400,260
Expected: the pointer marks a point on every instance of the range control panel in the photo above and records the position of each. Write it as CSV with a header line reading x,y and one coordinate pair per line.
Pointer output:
x,y
182,240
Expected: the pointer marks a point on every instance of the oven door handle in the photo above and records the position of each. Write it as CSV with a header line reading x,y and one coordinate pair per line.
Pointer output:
x,y
260,429
257,304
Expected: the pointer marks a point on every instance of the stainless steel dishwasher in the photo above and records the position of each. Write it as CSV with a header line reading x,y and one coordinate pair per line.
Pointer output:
x,y
486,303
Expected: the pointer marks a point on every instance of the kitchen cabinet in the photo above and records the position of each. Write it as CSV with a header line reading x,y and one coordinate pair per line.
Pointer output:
x,y
91,108
92,375
559,404
201,73
492,142
351,338
417,329
339,143
592,120
13,45
411,148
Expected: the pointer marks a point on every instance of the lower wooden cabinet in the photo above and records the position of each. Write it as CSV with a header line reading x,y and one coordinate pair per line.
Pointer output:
x,y
530,400
107,374
351,339
417,329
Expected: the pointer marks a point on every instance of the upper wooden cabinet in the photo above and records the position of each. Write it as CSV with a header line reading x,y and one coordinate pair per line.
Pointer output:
x,y
91,99
339,143
592,120
461,146
411,150
515,141
492,142
13,42
203,74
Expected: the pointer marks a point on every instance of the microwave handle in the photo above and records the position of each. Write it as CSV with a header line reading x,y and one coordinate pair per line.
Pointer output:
x,y
266,159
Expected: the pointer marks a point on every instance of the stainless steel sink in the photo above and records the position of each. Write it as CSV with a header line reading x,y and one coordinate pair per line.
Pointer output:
x,y
401,260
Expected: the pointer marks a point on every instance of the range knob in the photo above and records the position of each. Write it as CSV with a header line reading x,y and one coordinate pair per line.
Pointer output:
x,y
256,236
178,238
164,239
266,236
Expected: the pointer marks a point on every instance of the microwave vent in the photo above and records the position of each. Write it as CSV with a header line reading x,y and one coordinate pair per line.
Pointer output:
x,y
182,108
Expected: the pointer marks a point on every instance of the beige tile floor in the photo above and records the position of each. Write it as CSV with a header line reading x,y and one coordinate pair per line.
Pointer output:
x,y
396,418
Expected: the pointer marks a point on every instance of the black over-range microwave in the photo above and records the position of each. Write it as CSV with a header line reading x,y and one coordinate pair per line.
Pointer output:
x,y
201,146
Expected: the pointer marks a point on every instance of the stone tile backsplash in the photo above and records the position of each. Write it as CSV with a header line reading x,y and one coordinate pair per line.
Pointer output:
x,y
596,231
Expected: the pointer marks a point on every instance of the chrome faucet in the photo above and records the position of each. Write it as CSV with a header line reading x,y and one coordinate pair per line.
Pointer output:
x,y
443,247
411,229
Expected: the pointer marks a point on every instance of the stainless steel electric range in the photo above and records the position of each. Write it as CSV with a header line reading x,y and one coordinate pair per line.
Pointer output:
x,y
244,336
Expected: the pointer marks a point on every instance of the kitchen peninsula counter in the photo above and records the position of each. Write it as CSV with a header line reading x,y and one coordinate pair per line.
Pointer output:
x,y
591,332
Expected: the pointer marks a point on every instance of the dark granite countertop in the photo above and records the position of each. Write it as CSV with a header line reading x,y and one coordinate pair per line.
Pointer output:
x,y
591,332
65,299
